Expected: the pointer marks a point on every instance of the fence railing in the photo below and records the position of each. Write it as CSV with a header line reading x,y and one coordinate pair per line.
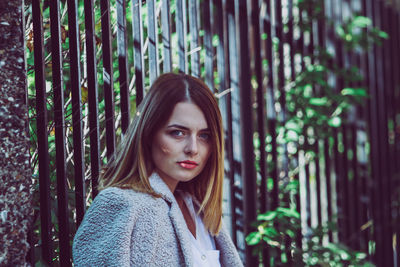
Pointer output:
x,y
91,62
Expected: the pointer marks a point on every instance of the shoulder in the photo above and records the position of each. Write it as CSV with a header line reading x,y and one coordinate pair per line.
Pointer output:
x,y
104,237
117,199
116,207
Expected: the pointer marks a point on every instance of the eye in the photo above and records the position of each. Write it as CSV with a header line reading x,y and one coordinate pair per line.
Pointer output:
x,y
205,136
176,133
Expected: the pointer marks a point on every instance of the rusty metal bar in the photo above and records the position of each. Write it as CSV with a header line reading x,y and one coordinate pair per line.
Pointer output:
x,y
58,94
108,77
42,142
92,94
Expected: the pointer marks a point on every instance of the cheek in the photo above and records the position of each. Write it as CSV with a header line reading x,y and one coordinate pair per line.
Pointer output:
x,y
161,149
207,152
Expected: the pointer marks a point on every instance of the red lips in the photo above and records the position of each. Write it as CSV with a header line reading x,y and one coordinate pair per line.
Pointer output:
x,y
187,164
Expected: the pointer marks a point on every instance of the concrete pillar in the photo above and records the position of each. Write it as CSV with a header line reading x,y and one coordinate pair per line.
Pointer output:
x,y
15,172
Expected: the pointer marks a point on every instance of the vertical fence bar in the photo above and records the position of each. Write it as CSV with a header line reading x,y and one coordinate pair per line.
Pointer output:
x,y
293,48
194,44
374,135
364,198
320,23
108,76
355,195
346,204
315,41
237,151
166,35
328,179
367,173
92,94
375,153
245,92
308,190
390,68
138,48
225,101
271,114
279,34
58,91
221,58
123,64
340,172
75,74
261,113
41,120
228,25
181,31
328,150
280,71
255,20
208,60
355,115
385,157
383,177
153,41
395,46
350,208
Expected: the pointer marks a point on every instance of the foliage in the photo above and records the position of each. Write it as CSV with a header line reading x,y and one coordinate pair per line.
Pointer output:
x,y
279,229
326,88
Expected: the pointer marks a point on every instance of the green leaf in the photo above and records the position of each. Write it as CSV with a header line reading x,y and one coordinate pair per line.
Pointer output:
x,y
293,126
344,255
270,184
271,232
360,255
253,238
268,216
335,122
256,143
383,35
340,31
354,91
289,212
361,21
316,101
290,233
215,40
291,136
264,36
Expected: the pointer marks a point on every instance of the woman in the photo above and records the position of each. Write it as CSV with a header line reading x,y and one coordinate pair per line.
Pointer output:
x,y
160,202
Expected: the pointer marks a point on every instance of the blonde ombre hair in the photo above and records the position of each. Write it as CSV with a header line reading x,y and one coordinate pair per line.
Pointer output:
x,y
132,165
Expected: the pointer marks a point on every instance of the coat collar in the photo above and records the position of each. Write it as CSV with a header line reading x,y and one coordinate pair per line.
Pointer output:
x,y
228,254
160,187
175,214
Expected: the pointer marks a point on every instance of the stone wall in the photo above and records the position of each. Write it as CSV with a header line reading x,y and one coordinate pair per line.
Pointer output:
x,y
15,173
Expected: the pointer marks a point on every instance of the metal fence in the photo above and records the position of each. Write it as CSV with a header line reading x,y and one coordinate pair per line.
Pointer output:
x,y
249,53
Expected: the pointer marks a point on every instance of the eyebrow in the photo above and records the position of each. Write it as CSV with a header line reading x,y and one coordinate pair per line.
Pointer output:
x,y
185,128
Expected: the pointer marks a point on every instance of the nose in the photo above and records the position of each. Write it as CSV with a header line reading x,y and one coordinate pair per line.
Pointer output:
x,y
192,147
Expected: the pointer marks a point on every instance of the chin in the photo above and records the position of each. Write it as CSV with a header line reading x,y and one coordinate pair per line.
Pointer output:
x,y
186,177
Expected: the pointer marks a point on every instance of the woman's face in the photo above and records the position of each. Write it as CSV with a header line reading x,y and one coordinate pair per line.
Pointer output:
x,y
181,148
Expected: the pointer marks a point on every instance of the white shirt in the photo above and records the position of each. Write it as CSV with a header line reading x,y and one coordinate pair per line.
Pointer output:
x,y
204,251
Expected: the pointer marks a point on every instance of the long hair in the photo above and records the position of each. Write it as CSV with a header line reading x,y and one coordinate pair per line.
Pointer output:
x,y
132,165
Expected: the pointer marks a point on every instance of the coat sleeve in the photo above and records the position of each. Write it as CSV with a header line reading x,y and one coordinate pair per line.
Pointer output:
x,y
104,236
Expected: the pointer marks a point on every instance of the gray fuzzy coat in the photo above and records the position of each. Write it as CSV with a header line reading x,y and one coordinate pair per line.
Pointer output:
x,y
123,227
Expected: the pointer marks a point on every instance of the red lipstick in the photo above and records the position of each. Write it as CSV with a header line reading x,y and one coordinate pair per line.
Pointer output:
x,y
187,164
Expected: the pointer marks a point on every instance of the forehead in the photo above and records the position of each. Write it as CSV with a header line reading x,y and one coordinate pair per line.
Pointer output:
x,y
188,115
